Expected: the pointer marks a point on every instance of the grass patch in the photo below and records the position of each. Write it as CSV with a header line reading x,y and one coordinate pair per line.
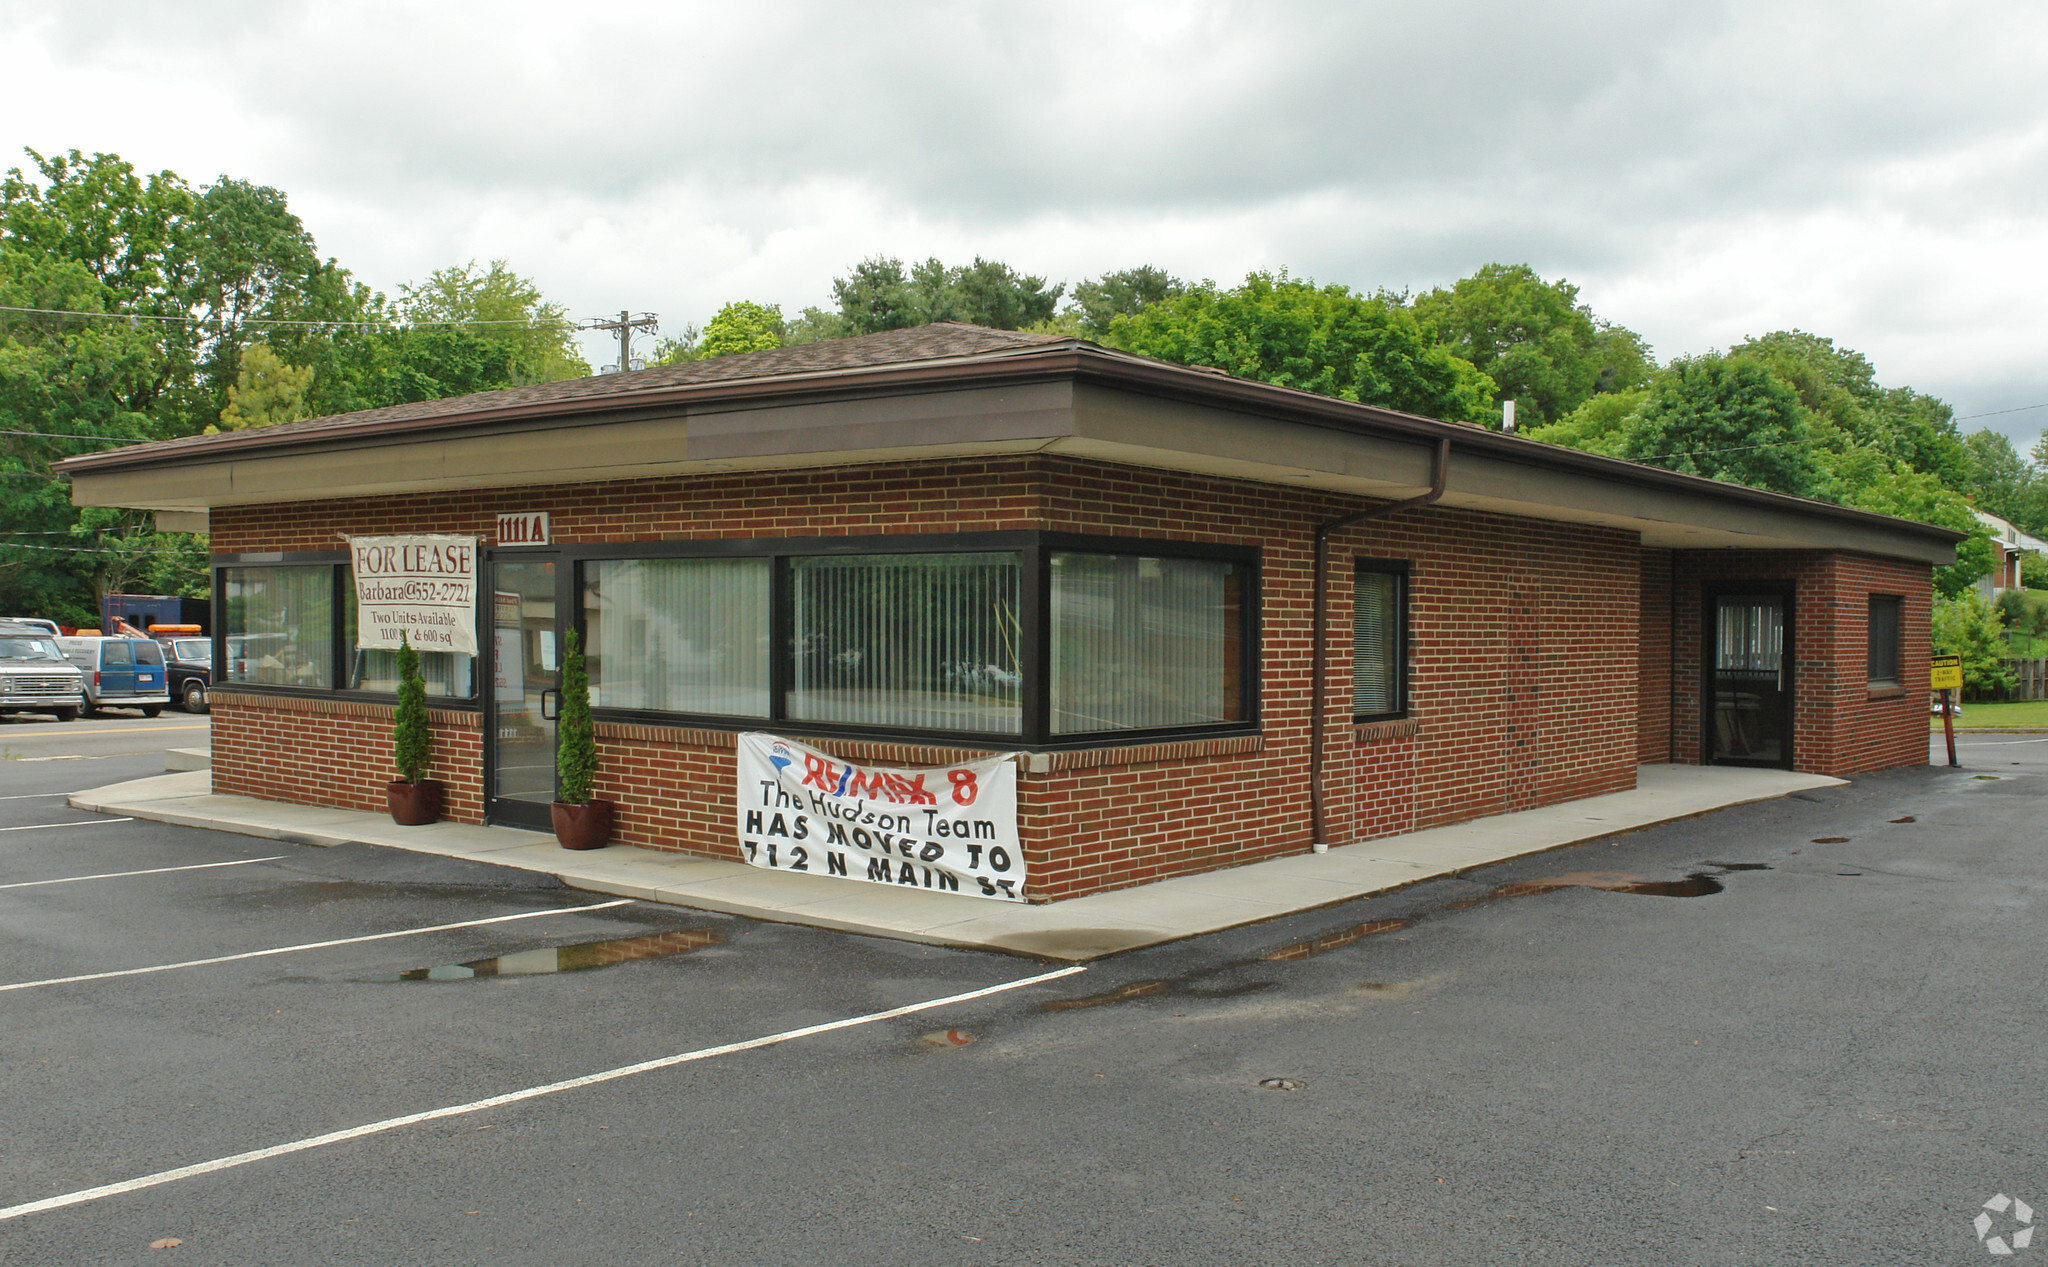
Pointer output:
x,y
1999,716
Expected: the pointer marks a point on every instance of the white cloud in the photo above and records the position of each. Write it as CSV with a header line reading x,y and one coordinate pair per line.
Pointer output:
x,y
1872,171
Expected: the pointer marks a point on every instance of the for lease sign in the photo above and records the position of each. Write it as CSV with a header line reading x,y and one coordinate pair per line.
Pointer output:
x,y
420,588
950,829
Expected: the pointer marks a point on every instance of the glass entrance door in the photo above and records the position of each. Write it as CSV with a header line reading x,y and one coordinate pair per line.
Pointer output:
x,y
525,664
1749,681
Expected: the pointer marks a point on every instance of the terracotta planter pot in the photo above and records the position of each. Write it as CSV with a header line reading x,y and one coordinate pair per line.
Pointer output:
x,y
414,804
582,826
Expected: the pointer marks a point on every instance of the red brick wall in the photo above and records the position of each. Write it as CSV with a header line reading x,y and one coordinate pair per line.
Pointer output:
x,y
1522,689
1841,726
1522,686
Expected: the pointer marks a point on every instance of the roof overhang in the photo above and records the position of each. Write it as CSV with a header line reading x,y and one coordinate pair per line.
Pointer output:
x,y
1074,400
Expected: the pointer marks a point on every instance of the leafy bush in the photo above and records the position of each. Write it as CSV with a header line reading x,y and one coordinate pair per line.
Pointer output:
x,y
576,740
412,747
1971,628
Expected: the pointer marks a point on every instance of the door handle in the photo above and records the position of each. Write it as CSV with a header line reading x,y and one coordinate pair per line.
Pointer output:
x,y
551,696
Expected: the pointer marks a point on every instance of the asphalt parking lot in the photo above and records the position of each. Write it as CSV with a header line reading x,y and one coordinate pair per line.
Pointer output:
x,y
1802,1031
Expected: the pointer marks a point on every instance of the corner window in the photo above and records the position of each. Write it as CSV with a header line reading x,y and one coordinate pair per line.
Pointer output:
x,y
1379,641
278,625
1145,643
1884,640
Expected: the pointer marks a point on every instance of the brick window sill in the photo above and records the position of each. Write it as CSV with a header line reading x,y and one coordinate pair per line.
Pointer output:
x,y
1886,692
1380,731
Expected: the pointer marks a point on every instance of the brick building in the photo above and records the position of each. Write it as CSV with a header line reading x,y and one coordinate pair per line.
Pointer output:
x,y
914,546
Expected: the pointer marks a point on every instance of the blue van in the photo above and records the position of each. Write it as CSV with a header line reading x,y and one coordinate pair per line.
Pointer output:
x,y
120,673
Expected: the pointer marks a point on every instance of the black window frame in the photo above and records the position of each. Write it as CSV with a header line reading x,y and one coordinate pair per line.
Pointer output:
x,y
1402,571
342,655
1896,604
1033,546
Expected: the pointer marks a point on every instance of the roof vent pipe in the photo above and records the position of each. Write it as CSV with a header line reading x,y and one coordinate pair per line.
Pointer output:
x,y
1319,655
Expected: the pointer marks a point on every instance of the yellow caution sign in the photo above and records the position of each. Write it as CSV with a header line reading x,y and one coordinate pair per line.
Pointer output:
x,y
1945,673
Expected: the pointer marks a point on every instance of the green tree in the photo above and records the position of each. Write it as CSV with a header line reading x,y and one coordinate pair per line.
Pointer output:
x,y
1918,495
412,740
1851,414
535,338
1543,348
741,326
880,294
1726,419
1100,301
2001,481
266,392
1968,627
1323,339
576,741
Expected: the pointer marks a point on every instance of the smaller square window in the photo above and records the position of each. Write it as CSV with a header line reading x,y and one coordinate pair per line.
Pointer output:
x,y
1379,641
1884,640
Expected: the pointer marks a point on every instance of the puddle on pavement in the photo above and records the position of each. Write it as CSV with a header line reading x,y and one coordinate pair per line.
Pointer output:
x,y
578,958
1740,866
1330,941
1697,884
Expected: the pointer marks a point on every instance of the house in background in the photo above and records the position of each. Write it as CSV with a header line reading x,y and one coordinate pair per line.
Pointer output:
x,y
2013,547
1216,621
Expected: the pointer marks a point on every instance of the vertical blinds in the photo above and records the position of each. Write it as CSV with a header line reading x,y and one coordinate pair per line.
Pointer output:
x,y
679,635
924,641
1750,636
1376,652
280,625
1144,643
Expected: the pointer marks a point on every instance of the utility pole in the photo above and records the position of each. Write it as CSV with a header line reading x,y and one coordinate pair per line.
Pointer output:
x,y
624,328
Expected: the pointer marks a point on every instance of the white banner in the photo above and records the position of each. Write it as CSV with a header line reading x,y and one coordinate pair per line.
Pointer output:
x,y
421,587
951,828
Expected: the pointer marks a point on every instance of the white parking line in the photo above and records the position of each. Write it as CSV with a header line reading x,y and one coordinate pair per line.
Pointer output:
x,y
512,1097
35,796
311,945
83,822
122,875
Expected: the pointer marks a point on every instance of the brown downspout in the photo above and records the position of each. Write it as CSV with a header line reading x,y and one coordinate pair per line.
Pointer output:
x,y
1319,656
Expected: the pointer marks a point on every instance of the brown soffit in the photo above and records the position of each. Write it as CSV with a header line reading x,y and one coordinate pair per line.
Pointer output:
x,y
1068,359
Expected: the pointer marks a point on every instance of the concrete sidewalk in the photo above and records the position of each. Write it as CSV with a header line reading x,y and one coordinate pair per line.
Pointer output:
x,y
1080,929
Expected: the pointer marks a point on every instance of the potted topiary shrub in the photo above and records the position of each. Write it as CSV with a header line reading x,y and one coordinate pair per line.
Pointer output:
x,y
414,798
581,822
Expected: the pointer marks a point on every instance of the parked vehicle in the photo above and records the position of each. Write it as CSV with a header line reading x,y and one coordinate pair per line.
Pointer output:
x,y
189,663
34,675
120,673
49,627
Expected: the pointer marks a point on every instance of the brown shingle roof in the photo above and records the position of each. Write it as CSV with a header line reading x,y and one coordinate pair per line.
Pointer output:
x,y
941,340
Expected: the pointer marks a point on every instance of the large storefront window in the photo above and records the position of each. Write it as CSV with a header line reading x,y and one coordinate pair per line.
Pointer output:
x,y
448,675
917,641
679,635
1142,643
1005,638
279,625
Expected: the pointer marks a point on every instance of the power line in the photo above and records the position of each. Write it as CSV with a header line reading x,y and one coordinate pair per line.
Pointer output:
x,y
66,435
2016,409
527,323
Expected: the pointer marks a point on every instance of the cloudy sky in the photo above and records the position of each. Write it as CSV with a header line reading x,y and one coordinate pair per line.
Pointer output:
x,y
1869,170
